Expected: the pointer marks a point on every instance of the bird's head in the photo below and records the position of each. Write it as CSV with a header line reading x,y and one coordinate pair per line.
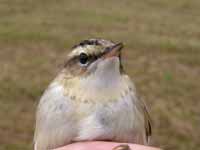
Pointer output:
x,y
94,57
94,65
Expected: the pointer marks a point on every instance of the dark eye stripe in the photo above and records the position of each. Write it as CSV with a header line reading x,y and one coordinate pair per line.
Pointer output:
x,y
76,59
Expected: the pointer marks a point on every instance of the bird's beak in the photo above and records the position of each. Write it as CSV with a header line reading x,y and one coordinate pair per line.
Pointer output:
x,y
113,51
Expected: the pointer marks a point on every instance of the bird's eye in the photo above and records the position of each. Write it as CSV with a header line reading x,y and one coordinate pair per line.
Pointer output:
x,y
83,58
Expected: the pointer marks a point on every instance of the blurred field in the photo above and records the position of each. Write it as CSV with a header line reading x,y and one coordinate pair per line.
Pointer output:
x,y
162,55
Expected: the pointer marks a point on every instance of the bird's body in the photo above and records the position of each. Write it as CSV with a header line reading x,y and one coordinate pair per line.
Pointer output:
x,y
93,102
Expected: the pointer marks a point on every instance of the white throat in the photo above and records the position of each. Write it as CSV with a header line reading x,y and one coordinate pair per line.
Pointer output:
x,y
103,83
107,75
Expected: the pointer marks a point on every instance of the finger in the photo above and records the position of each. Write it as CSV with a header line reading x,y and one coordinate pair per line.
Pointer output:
x,y
98,145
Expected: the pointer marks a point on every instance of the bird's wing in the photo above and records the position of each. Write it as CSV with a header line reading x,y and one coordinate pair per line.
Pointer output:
x,y
147,119
54,115
143,108
148,129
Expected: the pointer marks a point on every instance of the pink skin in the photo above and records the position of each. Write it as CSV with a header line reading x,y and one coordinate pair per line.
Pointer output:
x,y
100,145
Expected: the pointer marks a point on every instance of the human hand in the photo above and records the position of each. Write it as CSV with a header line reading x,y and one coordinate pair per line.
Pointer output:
x,y
100,145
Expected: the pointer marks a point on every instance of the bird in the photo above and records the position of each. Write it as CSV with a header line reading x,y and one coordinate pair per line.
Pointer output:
x,y
92,99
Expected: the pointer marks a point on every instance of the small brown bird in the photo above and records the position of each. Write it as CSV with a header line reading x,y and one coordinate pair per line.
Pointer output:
x,y
91,99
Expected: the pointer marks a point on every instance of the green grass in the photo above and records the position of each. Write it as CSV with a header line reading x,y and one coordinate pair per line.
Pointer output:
x,y
162,55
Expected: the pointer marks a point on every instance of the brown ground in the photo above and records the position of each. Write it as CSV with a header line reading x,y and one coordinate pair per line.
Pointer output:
x,y
162,55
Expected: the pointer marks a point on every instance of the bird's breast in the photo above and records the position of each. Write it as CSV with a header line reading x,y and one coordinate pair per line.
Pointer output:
x,y
95,90
116,119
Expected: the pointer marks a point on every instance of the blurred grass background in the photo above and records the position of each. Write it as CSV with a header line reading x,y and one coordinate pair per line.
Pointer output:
x,y
162,55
